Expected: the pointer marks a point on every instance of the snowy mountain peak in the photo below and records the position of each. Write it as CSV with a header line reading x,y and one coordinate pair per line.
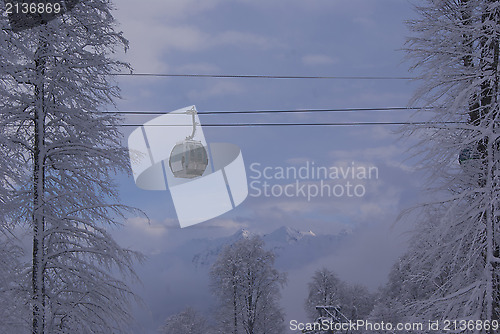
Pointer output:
x,y
240,234
311,233
244,233
286,235
292,247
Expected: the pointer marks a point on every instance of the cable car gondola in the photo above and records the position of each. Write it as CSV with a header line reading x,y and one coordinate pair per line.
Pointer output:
x,y
189,158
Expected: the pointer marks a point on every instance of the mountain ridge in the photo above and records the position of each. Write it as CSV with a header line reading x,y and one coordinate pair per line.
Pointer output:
x,y
291,246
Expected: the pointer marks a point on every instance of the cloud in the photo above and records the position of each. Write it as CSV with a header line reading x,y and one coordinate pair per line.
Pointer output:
x,y
156,28
149,228
328,213
198,68
150,30
389,155
141,234
183,38
368,257
318,60
225,223
145,53
221,88
190,38
162,10
150,42
243,39
385,195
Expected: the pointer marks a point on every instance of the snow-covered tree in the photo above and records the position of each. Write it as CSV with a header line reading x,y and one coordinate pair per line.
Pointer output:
x,y
248,287
325,289
404,287
358,302
14,313
456,50
188,321
59,151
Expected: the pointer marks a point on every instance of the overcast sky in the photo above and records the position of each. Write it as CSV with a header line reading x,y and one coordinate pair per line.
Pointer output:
x,y
285,38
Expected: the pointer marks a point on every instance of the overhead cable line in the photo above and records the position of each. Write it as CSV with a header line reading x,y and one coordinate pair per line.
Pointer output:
x,y
250,76
298,124
278,111
280,124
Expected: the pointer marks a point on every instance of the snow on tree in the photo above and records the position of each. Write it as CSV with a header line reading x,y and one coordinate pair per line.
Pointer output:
x,y
14,311
456,49
358,302
326,289
403,288
188,321
59,151
248,287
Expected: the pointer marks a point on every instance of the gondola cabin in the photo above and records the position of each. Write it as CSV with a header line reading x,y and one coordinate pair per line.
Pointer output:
x,y
188,159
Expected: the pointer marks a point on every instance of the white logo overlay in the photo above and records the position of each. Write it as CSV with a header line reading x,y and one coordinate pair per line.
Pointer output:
x,y
205,181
